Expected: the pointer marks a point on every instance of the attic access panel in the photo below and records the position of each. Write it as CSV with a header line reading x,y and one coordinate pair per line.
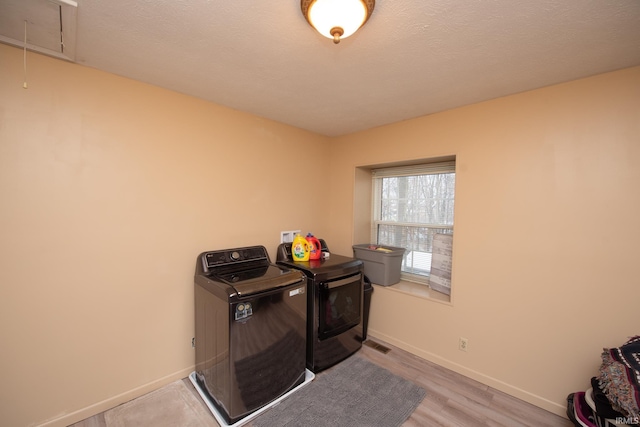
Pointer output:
x,y
51,26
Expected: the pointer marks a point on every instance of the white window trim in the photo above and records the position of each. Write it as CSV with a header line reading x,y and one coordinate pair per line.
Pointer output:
x,y
405,170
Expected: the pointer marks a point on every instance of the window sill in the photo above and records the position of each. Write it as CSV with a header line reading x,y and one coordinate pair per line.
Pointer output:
x,y
418,290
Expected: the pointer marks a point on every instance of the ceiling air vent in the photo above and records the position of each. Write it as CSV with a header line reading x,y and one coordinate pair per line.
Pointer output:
x,y
49,26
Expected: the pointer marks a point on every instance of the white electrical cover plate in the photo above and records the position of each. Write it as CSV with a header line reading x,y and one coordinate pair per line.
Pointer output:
x,y
287,236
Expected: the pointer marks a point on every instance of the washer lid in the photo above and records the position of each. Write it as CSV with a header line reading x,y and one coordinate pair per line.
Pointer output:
x,y
261,279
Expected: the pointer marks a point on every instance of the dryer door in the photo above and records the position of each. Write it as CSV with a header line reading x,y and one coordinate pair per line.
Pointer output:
x,y
340,305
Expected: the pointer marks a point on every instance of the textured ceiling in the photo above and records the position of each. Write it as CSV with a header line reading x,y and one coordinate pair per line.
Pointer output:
x,y
412,58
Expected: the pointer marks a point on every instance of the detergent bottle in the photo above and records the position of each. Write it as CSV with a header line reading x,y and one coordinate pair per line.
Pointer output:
x,y
300,248
315,248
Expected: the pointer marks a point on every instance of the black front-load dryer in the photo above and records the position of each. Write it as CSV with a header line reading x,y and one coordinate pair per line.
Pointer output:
x,y
335,297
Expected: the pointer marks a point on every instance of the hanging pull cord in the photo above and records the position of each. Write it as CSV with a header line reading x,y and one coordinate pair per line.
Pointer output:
x,y
24,55
61,32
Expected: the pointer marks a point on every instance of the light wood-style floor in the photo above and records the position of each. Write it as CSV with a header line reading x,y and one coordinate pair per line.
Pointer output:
x,y
452,400
455,400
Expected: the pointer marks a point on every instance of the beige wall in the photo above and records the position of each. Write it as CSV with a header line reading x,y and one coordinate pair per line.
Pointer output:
x,y
110,188
546,233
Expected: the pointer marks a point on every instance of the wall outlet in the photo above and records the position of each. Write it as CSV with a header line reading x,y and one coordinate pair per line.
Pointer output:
x,y
287,236
463,344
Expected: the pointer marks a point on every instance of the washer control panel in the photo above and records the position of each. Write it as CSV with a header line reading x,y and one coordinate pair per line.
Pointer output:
x,y
228,257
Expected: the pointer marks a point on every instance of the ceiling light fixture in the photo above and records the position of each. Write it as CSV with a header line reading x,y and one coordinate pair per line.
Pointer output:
x,y
337,19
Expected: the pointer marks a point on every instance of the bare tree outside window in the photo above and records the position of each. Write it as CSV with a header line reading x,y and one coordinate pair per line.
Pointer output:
x,y
412,209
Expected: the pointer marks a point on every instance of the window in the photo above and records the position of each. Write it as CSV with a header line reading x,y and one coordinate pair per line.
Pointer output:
x,y
411,205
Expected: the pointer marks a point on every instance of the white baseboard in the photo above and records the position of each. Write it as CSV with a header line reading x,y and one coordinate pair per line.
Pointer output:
x,y
112,402
539,401
89,411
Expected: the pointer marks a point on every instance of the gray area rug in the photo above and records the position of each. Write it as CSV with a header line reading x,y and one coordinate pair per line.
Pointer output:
x,y
353,393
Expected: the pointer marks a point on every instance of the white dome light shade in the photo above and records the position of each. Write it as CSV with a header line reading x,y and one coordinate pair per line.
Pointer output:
x,y
337,19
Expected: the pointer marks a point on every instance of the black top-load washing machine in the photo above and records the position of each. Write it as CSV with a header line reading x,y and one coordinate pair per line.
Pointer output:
x,y
251,319
334,305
